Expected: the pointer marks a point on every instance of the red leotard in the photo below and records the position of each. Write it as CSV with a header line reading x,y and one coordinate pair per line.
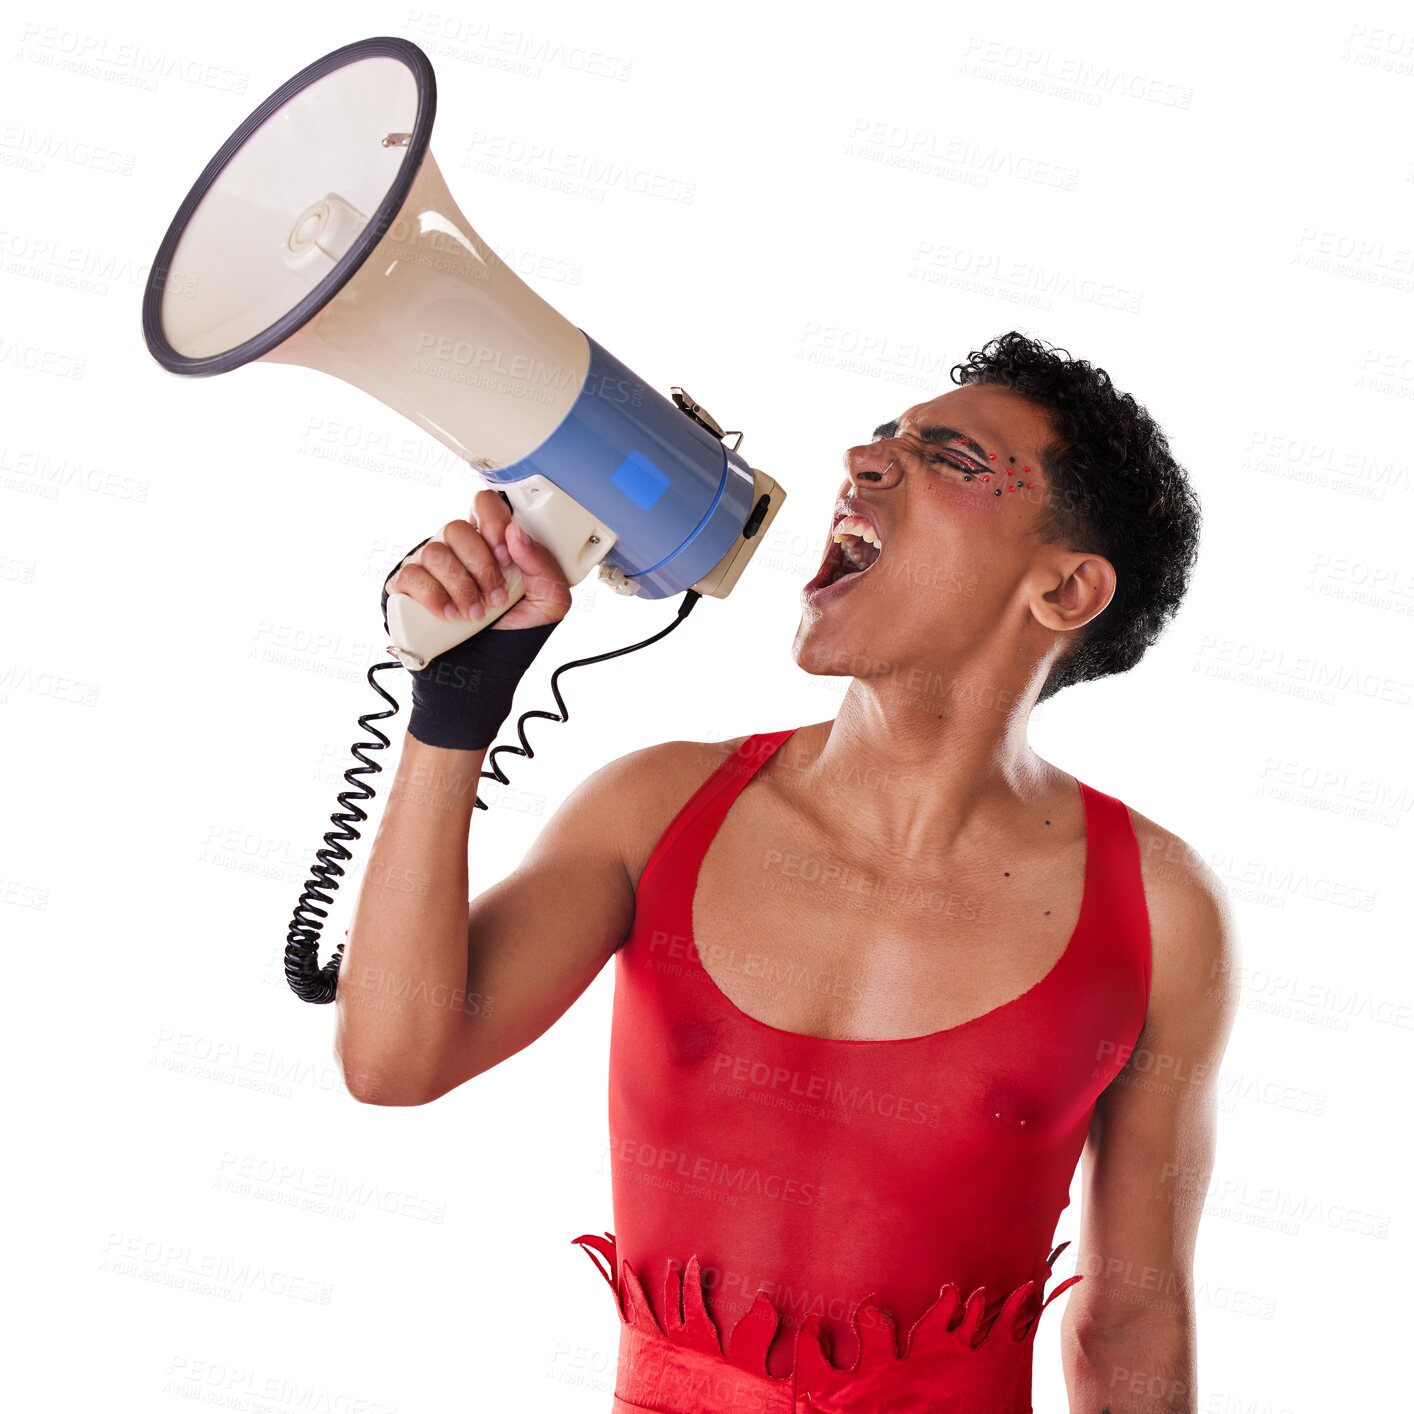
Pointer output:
x,y
836,1225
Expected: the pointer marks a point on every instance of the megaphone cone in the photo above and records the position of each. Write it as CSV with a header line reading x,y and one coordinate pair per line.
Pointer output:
x,y
323,234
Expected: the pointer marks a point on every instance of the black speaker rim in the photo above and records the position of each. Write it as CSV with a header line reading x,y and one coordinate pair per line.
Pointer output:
x,y
380,46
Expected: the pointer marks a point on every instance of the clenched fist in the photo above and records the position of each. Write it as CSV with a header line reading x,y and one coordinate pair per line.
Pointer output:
x,y
461,571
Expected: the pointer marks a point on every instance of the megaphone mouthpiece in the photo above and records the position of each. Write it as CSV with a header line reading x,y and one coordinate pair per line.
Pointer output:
x,y
322,234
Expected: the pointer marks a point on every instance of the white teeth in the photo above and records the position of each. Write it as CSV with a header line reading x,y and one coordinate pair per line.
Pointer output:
x,y
853,525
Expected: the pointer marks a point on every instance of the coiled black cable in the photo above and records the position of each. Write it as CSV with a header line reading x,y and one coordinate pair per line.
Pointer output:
x,y
308,980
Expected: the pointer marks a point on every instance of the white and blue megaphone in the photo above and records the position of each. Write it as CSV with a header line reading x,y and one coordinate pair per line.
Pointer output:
x,y
323,234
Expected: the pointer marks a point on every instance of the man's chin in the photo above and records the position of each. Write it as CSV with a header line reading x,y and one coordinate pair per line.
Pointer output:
x,y
831,641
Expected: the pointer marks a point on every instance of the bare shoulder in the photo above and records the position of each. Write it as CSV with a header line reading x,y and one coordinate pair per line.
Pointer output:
x,y
1184,894
643,790
1192,928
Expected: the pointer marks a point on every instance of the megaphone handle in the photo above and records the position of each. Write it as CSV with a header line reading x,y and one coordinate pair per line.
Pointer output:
x,y
418,635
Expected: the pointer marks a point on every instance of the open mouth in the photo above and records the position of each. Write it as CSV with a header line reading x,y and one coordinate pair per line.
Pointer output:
x,y
854,549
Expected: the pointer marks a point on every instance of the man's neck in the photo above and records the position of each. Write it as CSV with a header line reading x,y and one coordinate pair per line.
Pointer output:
x,y
913,769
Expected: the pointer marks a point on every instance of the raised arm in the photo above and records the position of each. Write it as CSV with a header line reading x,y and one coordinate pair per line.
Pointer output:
x,y
404,1002
1129,1332
445,989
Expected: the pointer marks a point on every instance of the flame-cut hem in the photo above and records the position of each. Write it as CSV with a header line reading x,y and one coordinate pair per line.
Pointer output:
x,y
952,1361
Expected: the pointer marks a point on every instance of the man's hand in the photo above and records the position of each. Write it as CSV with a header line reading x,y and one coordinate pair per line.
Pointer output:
x,y
459,572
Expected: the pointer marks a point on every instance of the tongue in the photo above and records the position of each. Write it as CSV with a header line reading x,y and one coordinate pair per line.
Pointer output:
x,y
858,555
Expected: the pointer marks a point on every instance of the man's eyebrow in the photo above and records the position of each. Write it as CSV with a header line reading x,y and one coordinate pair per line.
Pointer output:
x,y
934,435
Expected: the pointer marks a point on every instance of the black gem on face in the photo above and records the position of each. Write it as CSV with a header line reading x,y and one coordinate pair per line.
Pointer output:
x,y
1011,459
997,492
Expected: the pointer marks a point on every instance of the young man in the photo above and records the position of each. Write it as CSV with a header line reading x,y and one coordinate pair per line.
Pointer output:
x,y
872,1012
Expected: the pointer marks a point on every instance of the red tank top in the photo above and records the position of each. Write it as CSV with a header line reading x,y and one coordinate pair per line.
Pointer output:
x,y
865,1224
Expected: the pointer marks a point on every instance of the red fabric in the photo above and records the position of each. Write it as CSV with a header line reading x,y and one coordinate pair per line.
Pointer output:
x,y
890,1203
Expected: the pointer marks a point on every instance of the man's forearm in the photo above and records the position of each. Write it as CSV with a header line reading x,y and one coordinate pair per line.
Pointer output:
x,y
401,996
1138,1367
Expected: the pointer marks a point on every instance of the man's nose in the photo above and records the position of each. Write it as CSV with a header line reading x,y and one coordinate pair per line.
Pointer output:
x,y
872,464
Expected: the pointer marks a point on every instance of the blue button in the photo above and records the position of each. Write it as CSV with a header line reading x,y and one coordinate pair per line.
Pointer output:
x,y
640,480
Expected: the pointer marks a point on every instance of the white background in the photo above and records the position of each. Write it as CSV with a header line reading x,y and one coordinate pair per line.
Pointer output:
x,y
804,216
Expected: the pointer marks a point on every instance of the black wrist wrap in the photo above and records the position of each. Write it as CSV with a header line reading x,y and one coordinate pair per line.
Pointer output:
x,y
461,699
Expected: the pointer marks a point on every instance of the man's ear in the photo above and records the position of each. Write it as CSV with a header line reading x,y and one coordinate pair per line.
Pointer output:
x,y
1076,588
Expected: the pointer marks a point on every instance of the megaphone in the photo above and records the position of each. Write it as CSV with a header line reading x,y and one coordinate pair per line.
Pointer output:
x,y
323,234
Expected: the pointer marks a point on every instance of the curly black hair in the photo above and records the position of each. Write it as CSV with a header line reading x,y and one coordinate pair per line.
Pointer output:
x,y
1115,488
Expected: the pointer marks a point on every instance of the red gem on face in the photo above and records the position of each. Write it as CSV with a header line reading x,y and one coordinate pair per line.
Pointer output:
x,y
991,456
1028,483
986,476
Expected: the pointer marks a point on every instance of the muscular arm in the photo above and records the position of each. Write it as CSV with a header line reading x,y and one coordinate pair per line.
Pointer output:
x,y
434,990
401,999
1129,1332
